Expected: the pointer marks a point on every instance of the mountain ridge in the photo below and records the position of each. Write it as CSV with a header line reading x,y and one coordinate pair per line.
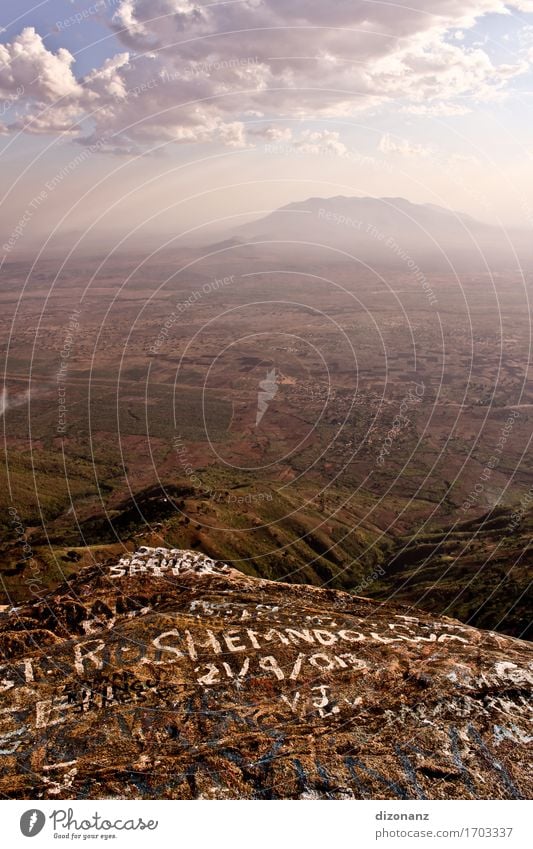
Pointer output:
x,y
390,231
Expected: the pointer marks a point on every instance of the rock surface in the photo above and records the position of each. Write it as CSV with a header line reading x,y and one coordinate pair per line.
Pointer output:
x,y
170,675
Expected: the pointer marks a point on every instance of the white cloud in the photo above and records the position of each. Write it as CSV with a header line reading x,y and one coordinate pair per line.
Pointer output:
x,y
320,142
391,144
124,18
26,62
275,134
195,71
428,69
59,120
110,79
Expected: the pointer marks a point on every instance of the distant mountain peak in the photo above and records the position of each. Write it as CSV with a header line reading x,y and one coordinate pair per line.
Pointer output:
x,y
368,228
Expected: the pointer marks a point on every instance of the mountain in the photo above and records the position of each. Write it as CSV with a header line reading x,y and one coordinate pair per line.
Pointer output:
x,y
391,232
167,674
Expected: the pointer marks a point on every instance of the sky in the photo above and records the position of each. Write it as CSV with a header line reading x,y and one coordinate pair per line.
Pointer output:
x,y
171,116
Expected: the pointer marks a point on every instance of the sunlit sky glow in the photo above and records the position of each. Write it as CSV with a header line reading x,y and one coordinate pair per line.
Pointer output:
x,y
251,104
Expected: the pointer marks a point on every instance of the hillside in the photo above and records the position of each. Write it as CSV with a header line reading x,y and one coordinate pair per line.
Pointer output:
x,y
169,675
478,570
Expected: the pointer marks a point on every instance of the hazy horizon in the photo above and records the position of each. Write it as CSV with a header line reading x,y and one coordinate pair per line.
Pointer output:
x,y
165,117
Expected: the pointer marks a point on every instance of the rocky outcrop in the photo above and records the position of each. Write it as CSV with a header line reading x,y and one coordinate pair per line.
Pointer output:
x,y
170,675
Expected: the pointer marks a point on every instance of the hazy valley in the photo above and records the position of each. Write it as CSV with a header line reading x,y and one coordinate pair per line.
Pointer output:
x,y
397,414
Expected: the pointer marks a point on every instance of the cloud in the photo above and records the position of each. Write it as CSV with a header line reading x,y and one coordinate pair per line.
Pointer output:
x,y
429,69
193,71
391,144
125,21
321,142
278,135
26,63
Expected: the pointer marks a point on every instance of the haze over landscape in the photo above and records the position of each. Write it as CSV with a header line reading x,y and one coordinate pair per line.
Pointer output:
x,y
266,271
187,113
